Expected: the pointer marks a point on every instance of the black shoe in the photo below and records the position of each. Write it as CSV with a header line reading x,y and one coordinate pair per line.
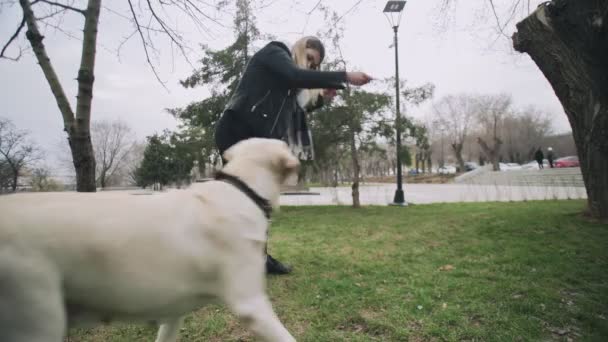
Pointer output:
x,y
273,266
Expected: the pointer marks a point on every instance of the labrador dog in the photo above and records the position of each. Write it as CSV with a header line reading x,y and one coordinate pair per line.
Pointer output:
x,y
67,259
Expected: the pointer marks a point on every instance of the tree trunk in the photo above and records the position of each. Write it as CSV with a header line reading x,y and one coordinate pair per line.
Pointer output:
x,y
77,126
457,148
102,178
568,41
423,163
491,153
356,167
83,158
15,180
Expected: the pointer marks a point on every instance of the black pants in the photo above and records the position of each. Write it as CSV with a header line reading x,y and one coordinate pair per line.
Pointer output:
x,y
229,131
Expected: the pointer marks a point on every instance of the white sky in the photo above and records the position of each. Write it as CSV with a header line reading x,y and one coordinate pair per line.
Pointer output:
x,y
458,59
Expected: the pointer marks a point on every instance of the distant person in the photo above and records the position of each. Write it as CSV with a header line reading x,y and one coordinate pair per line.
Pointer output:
x,y
539,156
550,156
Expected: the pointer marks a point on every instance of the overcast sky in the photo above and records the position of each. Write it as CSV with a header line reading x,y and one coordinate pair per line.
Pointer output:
x,y
459,58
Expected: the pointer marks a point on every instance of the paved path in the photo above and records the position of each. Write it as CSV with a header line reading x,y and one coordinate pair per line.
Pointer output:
x,y
382,194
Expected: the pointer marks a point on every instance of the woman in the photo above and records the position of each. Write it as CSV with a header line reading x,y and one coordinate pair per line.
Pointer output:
x,y
276,90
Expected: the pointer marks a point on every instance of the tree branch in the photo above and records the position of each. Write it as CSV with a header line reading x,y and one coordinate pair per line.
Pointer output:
x,y
53,3
349,10
35,38
169,33
13,37
87,66
315,7
145,45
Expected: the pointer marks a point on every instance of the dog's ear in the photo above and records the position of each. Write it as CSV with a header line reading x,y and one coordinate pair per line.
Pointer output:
x,y
288,166
290,163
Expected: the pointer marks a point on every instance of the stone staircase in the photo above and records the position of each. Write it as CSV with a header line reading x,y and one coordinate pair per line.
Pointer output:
x,y
563,177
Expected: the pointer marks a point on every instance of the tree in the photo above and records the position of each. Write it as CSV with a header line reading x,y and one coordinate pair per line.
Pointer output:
x,y
568,41
220,72
423,146
16,153
362,109
154,169
524,131
455,113
167,159
491,111
148,20
40,180
113,141
134,160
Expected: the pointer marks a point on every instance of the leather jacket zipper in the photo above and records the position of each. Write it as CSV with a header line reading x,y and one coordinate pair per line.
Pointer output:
x,y
260,101
276,120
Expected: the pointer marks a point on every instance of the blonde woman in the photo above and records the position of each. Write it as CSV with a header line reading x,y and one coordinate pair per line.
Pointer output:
x,y
276,91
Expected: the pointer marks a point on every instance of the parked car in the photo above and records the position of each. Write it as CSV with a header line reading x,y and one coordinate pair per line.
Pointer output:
x,y
470,166
571,161
446,170
509,166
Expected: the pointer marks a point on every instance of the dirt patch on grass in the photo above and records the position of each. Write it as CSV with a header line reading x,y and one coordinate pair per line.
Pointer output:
x,y
368,326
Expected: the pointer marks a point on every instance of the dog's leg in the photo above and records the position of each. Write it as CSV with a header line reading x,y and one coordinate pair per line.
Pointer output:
x,y
244,293
169,330
31,301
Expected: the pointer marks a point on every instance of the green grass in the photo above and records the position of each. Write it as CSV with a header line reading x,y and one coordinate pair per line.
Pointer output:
x,y
527,271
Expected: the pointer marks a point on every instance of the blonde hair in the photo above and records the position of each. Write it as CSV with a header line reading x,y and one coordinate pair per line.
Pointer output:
x,y
298,52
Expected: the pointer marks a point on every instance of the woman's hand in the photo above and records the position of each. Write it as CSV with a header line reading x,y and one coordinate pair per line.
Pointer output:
x,y
358,78
328,94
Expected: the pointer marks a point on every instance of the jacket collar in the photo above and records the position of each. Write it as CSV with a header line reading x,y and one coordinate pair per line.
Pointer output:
x,y
281,45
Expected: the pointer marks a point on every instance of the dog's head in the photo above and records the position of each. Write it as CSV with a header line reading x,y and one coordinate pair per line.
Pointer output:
x,y
271,154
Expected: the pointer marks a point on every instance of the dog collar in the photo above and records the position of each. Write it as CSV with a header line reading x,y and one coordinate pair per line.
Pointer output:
x,y
261,202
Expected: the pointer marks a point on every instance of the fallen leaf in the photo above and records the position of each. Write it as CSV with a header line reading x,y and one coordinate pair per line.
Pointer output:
x,y
444,306
446,268
419,307
517,296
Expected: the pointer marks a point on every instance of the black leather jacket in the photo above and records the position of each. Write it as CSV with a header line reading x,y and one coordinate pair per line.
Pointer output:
x,y
266,93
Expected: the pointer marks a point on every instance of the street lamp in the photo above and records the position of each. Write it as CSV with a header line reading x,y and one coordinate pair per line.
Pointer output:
x,y
393,11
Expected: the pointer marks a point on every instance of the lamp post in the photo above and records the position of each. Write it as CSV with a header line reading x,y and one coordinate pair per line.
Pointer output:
x,y
393,11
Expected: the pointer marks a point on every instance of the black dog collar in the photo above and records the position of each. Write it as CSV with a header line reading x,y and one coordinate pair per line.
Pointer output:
x,y
261,202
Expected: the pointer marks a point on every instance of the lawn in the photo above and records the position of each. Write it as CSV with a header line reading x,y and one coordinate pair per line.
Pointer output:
x,y
527,271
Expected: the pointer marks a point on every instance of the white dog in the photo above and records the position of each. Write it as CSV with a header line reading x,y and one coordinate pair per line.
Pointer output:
x,y
72,258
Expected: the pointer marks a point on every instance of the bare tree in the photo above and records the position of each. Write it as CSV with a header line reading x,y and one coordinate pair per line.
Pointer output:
x,y
16,153
148,18
113,141
455,113
491,111
41,180
523,132
568,41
